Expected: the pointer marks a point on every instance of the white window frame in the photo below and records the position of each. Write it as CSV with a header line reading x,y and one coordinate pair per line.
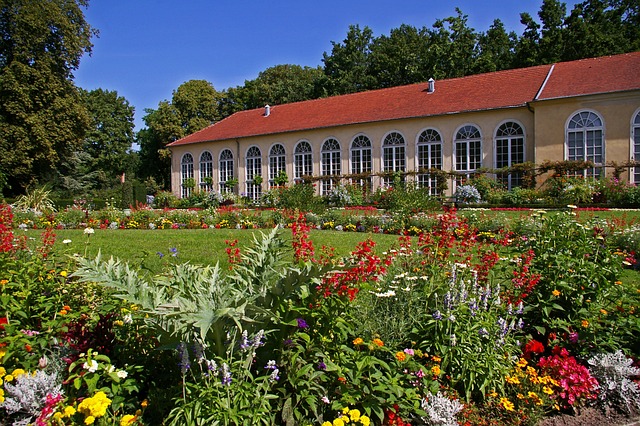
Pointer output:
x,y
515,144
467,150
277,162
635,145
302,160
394,154
226,169
206,169
253,168
586,129
429,147
330,163
361,158
186,172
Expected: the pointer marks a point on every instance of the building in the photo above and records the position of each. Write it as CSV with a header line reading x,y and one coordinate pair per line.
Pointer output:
x,y
581,110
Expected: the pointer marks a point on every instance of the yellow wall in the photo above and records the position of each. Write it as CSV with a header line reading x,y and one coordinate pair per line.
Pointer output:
x,y
544,123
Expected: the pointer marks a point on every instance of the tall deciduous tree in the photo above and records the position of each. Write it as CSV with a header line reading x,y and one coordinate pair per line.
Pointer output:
x,y
194,106
42,118
347,67
496,49
454,46
109,139
403,57
276,85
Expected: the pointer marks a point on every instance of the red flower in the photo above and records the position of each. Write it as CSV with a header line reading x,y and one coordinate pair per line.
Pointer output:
x,y
533,347
3,321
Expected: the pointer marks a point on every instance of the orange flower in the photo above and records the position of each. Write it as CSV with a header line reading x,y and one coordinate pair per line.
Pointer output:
x,y
435,370
436,358
4,282
66,308
401,356
358,341
556,293
378,342
63,312
585,323
342,380
27,347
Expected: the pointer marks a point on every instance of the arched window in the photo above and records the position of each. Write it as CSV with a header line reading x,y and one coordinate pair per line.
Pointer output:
x,y
277,163
187,181
253,169
393,155
330,164
206,171
468,150
226,170
302,160
585,141
429,152
509,144
636,146
361,159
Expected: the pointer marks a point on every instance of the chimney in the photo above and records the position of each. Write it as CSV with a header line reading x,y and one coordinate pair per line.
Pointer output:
x,y
267,110
432,86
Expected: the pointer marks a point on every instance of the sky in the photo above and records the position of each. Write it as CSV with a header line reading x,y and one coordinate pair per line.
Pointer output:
x,y
147,48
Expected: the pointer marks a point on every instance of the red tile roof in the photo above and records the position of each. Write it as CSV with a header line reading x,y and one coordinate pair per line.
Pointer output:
x,y
504,89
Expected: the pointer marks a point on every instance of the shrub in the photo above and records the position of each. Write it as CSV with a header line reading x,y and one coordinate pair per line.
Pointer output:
x,y
614,372
467,194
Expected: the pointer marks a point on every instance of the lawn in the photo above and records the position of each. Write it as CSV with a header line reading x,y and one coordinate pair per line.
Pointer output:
x,y
205,247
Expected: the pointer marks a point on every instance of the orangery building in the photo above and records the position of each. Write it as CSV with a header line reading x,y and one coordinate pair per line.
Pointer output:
x,y
581,110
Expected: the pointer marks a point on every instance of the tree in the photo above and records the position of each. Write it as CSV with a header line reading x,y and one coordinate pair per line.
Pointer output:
x,y
552,42
108,142
454,46
276,85
194,106
527,48
347,67
42,118
496,49
402,57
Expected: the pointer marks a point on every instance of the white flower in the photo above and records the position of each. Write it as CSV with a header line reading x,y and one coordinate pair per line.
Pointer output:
x,y
66,241
91,366
122,374
89,231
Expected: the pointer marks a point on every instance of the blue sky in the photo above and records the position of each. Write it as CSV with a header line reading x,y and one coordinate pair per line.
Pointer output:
x,y
147,48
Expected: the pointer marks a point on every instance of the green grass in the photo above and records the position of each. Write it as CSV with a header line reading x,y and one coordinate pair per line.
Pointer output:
x,y
202,247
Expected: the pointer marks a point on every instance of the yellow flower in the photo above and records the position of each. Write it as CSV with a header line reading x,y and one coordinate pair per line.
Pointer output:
x,y
18,372
4,282
144,404
327,424
345,410
436,358
585,323
520,396
493,394
354,415
365,421
435,370
338,422
345,419
532,371
3,371
512,380
57,415
118,322
358,341
547,390
64,274
522,363
508,405
556,293
127,420
401,356
8,378
69,411
89,420
603,311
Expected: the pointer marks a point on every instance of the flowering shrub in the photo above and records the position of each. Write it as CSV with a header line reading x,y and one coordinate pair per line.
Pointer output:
x,y
467,194
577,386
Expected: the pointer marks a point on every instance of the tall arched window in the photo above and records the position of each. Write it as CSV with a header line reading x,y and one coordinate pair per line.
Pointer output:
x,y
206,171
393,155
187,181
636,146
509,145
429,152
226,170
253,169
330,164
277,162
585,141
302,160
361,159
468,150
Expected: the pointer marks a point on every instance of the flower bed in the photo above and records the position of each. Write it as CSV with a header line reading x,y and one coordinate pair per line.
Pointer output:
x,y
451,325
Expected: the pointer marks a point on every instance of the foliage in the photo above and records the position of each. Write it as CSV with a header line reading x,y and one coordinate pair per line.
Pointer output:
x,y
441,410
614,373
42,117
37,199
467,194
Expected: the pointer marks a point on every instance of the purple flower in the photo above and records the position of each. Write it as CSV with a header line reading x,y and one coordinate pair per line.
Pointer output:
x,y
274,377
271,365
573,337
174,251
302,323
160,254
226,375
322,366
437,315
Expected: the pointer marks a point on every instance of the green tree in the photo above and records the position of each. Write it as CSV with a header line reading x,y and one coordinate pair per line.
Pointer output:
x,y
454,46
527,47
42,118
552,42
402,57
496,49
347,67
276,85
194,106
108,142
